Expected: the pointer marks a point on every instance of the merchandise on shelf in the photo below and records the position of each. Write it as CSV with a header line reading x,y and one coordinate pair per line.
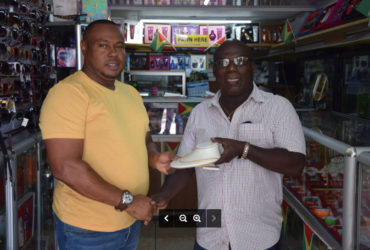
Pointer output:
x,y
151,29
159,62
270,32
310,23
179,62
198,62
26,218
215,32
133,31
183,30
138,62
332,15
248,33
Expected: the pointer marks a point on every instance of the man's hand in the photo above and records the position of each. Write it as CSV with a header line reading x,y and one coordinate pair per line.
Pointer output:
x,y
142,208
162,163
161,201
232,148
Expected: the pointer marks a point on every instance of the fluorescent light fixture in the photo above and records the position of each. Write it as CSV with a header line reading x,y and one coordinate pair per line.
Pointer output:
x,y
198,21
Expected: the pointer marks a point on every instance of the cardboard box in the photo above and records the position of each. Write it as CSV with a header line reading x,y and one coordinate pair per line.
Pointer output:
x,y
184,30
215,32
150,29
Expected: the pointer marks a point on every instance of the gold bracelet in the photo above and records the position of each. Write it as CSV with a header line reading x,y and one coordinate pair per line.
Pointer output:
x,y
245,152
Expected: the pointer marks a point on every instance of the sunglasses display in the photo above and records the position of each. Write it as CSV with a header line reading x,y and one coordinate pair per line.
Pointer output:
x,y
238,61
25,65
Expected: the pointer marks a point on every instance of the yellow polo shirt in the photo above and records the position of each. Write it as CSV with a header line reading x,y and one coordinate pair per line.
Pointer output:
x,y
113,125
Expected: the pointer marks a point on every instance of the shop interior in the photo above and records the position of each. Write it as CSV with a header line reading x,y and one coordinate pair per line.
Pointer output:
x,y
315,53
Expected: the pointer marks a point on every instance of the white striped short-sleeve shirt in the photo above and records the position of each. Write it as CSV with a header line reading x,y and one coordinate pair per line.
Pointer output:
x,y
248,195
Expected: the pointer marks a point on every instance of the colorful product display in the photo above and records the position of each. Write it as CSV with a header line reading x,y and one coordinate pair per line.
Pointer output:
x,y
179,62
311,23
214,32
184,30
133,31
248,33
151,29
159,62
138,62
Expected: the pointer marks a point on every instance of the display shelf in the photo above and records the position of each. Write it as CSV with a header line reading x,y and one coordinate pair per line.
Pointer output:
x,y
131,47
310,220
256,13
355,32
149,81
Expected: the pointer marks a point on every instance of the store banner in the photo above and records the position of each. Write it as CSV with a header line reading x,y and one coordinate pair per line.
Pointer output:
x,y
196,40
307,237
95,9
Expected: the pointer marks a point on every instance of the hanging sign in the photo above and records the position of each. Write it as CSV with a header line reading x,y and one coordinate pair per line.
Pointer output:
x,y
198,40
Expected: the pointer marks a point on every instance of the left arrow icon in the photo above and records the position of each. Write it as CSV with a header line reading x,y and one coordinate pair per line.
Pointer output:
x,y
166,218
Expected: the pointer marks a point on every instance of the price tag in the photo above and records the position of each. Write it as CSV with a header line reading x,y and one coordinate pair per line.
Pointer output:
x,y
24,122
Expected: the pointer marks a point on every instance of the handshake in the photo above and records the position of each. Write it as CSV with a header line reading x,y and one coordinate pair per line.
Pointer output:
x,y
144,207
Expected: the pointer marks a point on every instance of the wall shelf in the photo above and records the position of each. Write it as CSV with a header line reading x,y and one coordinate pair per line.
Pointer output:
x,y
169,49
356,32
255,13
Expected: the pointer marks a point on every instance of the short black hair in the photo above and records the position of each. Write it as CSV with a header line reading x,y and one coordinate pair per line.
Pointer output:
x,y
96,22
236,43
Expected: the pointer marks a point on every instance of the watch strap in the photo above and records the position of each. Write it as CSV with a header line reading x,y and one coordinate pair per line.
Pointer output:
x,y
122,206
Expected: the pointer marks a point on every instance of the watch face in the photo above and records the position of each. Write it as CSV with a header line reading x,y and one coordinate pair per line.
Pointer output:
x,y
127,198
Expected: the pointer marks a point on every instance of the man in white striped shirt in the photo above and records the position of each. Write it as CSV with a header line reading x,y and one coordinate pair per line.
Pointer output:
x,y
262,139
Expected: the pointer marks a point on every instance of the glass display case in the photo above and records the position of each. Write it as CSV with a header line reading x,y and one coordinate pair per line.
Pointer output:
x,y
331,196
159,83
25,211
364,202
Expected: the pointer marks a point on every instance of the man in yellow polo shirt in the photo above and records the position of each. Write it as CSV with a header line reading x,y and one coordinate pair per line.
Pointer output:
x,y
96,132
